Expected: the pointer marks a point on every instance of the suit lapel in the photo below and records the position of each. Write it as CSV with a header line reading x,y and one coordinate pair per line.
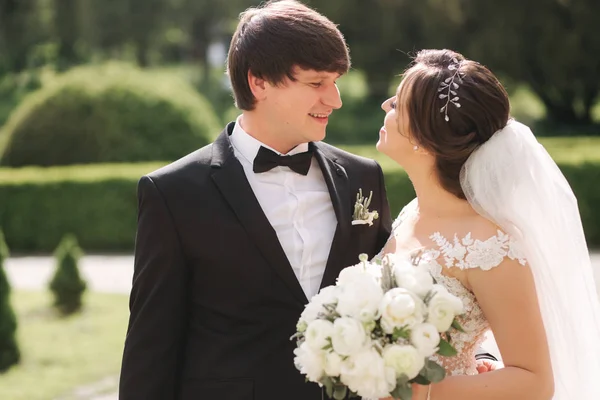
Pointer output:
x,y
339,191
231,180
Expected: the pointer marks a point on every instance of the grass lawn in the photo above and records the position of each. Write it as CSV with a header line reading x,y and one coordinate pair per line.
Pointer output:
x,y
59,354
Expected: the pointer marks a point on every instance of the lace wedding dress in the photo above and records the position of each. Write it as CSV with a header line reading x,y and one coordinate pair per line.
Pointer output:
x,y
512,181
463,253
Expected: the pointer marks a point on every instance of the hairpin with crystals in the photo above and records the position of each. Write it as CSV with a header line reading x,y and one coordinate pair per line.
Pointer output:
x,y
450,87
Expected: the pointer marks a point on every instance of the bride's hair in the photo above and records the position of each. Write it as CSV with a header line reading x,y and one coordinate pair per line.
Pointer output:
x,y
451,128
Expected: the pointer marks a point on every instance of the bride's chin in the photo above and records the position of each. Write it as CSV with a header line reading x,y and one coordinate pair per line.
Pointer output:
x,y
380,146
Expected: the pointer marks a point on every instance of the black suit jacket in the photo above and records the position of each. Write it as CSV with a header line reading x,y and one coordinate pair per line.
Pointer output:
x,y
214,300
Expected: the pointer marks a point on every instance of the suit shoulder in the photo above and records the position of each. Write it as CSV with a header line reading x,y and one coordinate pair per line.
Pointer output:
x,y
195,163
347,158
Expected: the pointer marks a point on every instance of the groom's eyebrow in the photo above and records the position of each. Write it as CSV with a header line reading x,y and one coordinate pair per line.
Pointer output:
x,y
323,75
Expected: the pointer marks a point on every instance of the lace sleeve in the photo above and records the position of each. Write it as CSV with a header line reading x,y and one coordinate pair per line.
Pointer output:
x,y
406,210
467,253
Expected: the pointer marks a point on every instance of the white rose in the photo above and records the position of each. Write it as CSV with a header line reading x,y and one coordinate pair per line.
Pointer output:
x,y
333,364
327,295
366,374
318,334
416,279
442,308
360,299
349,336
405,360
358,273
399,308
425,338
309,362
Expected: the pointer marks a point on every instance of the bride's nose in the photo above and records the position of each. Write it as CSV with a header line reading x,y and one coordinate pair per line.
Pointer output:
x,y
385,106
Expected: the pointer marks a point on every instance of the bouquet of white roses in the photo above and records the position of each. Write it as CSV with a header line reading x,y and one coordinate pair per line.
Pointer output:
x,y
373,334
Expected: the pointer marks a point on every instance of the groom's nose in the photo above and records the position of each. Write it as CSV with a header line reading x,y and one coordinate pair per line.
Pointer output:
x,y
331,97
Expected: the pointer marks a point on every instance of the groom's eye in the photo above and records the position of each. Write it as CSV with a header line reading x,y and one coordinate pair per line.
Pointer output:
x,y
316,84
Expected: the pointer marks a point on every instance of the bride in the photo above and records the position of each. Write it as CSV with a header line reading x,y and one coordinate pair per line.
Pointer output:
x,y
498,225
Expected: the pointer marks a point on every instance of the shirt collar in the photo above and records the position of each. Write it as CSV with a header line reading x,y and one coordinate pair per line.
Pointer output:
x,y
248,145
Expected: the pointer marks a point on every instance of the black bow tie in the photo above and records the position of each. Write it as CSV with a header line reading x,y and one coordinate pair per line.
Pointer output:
x,y
266,160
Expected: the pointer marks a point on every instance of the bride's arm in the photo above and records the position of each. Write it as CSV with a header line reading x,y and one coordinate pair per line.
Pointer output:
x,y
507,296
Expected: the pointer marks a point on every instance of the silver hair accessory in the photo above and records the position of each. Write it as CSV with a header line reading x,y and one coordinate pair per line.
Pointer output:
x,y
450,86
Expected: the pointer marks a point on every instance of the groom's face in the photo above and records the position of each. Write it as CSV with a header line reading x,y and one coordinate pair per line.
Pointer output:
x,y
299,108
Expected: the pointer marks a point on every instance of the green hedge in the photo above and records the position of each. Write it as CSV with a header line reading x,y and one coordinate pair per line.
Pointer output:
x,y
108,113
99,205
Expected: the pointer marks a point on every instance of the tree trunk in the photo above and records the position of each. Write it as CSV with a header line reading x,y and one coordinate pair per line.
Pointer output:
x,y
141,52
200,34
66,25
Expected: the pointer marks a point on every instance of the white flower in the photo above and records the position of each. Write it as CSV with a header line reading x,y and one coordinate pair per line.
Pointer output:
x,y
333,364
349,336
486,254
400,308
425,338
443,308
359,273
415,279
309,362
405,360
318,334
360,299
366,374
327,295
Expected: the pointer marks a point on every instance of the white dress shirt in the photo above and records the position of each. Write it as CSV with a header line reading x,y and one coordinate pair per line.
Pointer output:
x,y
298,207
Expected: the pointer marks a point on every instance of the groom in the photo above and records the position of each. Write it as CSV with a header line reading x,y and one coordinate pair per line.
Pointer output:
x,y
234,238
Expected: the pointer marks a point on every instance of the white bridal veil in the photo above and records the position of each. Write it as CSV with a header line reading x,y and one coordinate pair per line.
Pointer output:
x,y
512,181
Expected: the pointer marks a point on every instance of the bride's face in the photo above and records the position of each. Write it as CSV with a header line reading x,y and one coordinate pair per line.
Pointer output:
x,y
394,134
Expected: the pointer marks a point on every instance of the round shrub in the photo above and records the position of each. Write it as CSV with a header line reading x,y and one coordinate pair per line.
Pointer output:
x,y
112,113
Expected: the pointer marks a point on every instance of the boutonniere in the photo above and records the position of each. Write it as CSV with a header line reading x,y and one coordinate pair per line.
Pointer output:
x,y
362,215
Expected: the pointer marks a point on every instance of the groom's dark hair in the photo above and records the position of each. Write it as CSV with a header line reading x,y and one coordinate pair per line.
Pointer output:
x,y
271,40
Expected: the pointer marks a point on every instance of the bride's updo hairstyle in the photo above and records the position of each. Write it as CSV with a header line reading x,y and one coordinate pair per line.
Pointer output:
x,y
453,106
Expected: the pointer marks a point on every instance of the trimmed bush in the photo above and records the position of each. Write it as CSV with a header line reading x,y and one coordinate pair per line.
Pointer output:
x,y
66,286
112,113
99,205
9,349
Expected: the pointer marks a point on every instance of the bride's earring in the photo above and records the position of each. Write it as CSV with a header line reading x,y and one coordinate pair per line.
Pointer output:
x,y
415,147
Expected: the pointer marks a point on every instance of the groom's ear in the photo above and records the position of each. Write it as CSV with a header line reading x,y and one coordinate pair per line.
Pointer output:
x,y
258,86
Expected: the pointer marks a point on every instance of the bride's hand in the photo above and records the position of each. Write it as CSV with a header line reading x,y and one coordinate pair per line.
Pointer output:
x,y
419,392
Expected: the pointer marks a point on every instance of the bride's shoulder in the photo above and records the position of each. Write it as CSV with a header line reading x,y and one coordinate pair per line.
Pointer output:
x,y
477,243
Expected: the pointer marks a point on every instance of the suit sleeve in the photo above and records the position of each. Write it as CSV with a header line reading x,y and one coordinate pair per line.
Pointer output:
x,y
385,224
152,357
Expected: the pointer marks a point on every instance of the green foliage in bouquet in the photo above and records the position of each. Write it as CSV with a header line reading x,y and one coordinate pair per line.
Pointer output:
x,y
9,349
67,286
